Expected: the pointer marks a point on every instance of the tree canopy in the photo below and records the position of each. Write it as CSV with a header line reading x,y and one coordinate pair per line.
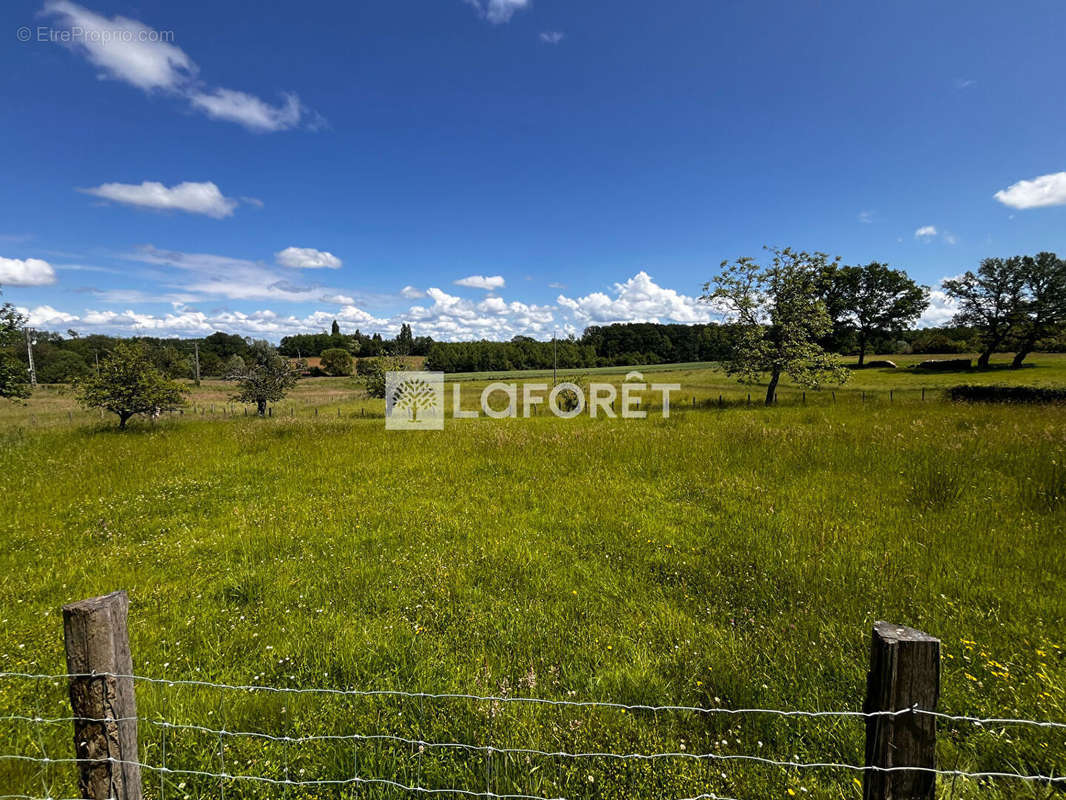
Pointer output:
x,y
267,378
129,383
873,300
989,300
780,316
14,379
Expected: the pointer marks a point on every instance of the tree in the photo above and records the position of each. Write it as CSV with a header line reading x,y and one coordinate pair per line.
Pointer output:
x,y
780,315
336,361
129,383
14,380
336,329
990,300
372,371
1043,307
62,366
404,340
874,300
267,379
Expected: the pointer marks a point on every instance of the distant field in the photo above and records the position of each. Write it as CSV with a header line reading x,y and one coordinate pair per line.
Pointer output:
x,y
733,556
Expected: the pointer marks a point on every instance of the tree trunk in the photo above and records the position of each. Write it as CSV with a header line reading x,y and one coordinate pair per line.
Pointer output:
x,y
982,361
771,390
122,420
1024,349
261,407
862,350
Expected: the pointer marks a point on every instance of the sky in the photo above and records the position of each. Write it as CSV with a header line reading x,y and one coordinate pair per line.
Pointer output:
x,y
490,168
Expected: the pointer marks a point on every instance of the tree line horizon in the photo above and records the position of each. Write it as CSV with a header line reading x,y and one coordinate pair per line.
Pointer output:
x,y
1015,305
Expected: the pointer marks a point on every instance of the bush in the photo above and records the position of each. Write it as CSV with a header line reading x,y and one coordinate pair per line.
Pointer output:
x,y
946,364
336,362
1006,394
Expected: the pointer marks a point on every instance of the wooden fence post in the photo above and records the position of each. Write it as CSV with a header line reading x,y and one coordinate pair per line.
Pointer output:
x,y
904,673
105,708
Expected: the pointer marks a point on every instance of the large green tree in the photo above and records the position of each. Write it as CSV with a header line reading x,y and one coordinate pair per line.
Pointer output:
x,y
874,300
337,361
780,316
1043,306
129,383
990,300
14,379
267,378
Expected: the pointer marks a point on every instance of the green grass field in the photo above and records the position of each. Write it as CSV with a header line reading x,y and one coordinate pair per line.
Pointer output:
x,y
732,556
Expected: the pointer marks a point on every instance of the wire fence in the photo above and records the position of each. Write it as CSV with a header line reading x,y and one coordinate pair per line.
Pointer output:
x,y
171,775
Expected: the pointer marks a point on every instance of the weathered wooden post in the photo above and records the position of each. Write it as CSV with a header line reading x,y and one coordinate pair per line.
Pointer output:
x,y
904,674
105,709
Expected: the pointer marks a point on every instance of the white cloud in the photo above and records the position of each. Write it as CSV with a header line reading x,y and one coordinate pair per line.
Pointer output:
x,y
195,198
639,299
964,83
950,237
925,232
481,282
556,285
26,272
866,217
339,299
552,37
307,258
124,49
1047,190
940,311
128,50
411,293
498,11
248,110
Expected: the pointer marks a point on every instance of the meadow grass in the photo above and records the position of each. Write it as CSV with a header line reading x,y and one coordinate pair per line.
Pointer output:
x,y
728,556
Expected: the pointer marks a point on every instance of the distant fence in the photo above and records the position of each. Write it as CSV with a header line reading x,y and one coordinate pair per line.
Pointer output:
x,y
900,716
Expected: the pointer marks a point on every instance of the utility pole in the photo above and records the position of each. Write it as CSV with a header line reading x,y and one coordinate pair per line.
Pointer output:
x,y
29,353
196,351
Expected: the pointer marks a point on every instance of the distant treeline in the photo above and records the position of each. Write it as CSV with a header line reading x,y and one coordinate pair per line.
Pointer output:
x,y
59,358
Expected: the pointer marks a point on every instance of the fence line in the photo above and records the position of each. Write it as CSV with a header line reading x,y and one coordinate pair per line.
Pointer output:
x,y
254,688
900,716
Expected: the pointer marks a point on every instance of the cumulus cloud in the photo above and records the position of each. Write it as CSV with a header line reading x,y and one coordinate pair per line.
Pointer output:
x,y
481,282
411,293
552,37
925,232
638,299
26,272
498,11
128,50
1047,190
195,198
940,311
307,258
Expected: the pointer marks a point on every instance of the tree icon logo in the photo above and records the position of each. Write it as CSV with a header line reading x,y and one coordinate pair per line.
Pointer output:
x,y
414,401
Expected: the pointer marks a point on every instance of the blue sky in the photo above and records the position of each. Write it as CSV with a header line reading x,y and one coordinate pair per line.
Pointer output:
x,y
483,168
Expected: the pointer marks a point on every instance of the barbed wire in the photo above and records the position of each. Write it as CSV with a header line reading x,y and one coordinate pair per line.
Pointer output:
x,y
253,688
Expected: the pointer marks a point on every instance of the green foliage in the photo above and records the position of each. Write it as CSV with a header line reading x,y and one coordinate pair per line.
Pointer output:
x,y
780,315
989,300
14,380
129,384
372,372
63,366
1042,312
337,362
267,378
873,300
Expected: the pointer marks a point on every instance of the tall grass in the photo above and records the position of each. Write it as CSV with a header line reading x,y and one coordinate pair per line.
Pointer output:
x,y
734,556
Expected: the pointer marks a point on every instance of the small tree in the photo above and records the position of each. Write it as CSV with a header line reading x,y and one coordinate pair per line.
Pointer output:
x,y
267,379
128,383
875,300
990,300
336,361
14,379
372,371
1043,307
780,316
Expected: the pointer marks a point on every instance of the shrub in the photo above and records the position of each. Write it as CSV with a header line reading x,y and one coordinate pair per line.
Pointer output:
x,y
946,364
1006,394
336,362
